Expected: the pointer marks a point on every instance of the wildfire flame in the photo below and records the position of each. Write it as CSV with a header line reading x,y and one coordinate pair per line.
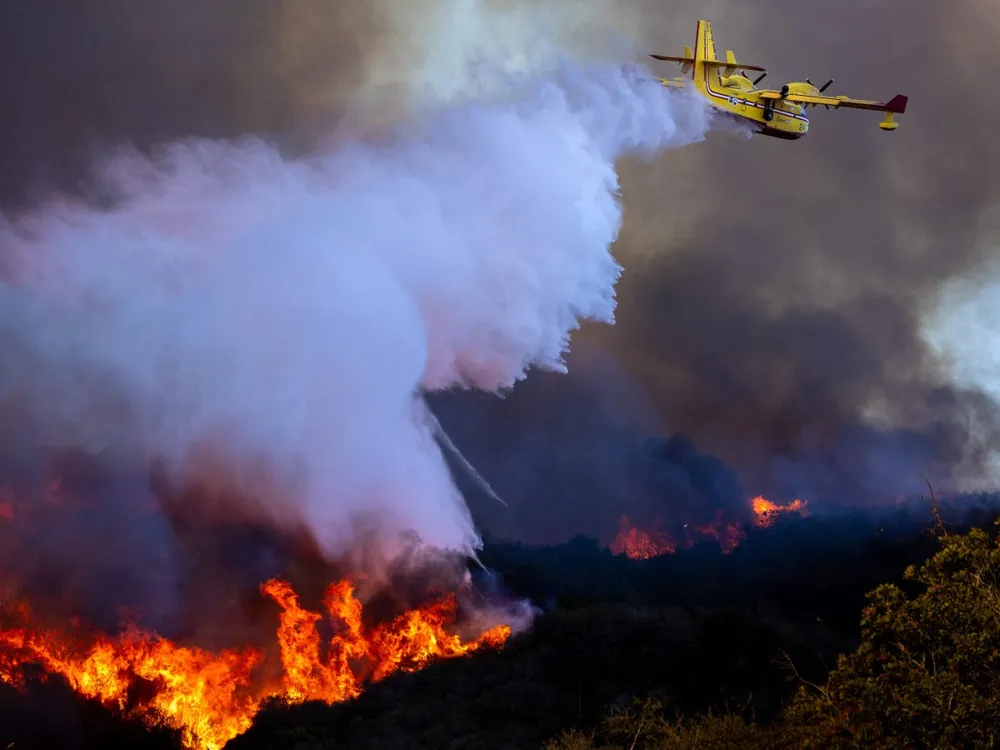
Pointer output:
x,y
766,513
213,697
727,534
639,544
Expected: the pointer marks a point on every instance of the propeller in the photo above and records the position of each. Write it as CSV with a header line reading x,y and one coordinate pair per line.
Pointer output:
x,y
822,88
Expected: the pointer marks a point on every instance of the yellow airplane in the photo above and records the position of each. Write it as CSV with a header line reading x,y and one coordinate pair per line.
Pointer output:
x,y
781,114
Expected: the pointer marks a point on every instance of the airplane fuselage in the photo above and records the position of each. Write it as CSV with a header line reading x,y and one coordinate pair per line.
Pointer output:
x,y
785,120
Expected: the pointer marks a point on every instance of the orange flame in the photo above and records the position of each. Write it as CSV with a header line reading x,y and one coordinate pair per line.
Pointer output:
x,y
766,513
213,697
726,533
642,545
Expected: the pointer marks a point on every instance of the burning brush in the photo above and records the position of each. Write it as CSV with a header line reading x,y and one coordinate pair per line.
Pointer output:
x,y
639,544
211,697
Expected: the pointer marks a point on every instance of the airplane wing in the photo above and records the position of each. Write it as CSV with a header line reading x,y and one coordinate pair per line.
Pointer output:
x,y
896,105
671,58
733,64
710,63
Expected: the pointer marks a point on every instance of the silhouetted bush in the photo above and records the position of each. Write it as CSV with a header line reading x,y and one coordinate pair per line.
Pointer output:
x,y
927,672
48,715
643,726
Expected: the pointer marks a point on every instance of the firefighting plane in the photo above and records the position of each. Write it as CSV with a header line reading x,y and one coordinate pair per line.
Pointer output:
x,y
778,113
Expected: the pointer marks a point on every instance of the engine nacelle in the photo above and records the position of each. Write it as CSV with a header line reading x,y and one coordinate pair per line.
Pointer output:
x,y
802,88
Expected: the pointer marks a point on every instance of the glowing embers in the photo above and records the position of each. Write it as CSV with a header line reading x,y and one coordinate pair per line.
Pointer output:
x,y
641,544
212,697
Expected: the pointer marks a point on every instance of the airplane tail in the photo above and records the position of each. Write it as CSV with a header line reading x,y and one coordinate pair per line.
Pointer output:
x,y
704,51
897,105
702,61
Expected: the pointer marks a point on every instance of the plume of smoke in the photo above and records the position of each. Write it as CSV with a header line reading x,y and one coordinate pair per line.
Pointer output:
x,y
454,50
269,323
960,328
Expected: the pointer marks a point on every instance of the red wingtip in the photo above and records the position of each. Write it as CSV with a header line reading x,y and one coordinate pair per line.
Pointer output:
x,y
897,104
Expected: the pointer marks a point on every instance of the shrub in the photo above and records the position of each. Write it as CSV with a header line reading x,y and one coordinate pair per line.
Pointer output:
x,y
927,672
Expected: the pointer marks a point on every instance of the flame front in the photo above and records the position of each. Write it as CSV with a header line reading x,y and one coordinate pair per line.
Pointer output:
x,y
213,697
408,642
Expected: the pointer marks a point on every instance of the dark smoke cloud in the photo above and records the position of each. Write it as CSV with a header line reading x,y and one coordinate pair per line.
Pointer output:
x,y
77,79
570,454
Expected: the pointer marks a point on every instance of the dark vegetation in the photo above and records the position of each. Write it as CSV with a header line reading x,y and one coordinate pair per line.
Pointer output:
x,y
772,646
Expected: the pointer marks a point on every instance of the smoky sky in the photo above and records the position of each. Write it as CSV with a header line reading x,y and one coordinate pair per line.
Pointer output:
x,y
571,454
770,307
79,79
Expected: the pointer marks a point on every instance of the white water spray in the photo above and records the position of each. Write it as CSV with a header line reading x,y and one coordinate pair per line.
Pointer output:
x,y
284,314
